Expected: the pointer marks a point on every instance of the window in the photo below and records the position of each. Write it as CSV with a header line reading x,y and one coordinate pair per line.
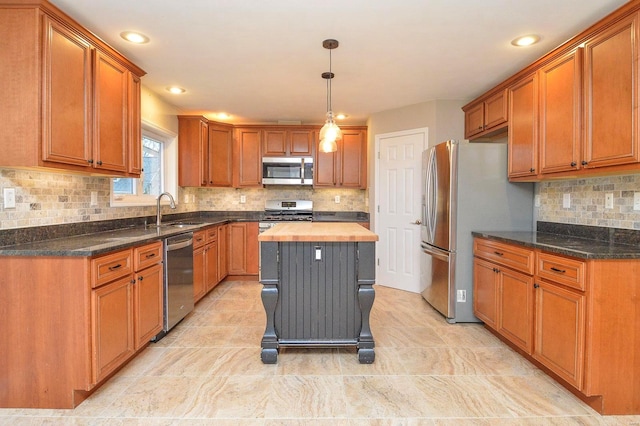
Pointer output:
x,y
158,175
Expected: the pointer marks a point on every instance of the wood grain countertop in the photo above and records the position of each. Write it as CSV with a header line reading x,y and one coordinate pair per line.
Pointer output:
x,y
317,231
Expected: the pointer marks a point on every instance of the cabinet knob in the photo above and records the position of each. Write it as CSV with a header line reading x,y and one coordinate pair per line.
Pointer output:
x,y
479,127
573,164
99,163
532,170
536,285
90,161
140,278
584,163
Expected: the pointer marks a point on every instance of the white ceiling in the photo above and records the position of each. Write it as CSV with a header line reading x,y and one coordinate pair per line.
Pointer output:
x,y
261,61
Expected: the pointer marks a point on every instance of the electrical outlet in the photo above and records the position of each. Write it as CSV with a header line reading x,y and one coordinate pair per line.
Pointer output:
x,y
337,199
9,198
608,200
94,199
536,200
461,295
636,200
243,199
566,201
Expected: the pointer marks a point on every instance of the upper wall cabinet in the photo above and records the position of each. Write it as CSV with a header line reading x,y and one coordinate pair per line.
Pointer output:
x,y
279,142
70,102
486,117
575,111
347,167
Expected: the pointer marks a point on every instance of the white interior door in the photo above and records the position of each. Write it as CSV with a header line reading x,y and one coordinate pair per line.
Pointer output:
x,y
398,192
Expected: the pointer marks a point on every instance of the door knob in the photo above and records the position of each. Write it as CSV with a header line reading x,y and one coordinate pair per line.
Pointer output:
x,y
417,222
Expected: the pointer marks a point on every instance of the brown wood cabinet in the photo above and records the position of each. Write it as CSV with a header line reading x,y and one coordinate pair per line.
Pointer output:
x,y
210,265
572,317
247,154
70,99
243,248
523,128
204,152
281,142
199,266
347,167
487,117
223,255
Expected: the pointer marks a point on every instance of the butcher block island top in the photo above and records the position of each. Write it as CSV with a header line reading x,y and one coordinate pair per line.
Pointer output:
x,y
318,232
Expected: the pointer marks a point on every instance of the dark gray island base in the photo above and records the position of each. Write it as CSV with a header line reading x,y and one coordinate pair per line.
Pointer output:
x,y
317,294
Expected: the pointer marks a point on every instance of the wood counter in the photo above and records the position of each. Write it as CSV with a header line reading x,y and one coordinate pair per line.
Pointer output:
x,y
318,232
317,287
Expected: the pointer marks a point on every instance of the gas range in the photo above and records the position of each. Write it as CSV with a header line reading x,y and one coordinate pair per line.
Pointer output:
x,y
286,211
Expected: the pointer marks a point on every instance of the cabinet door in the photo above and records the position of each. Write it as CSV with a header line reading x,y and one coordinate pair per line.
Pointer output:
x,y
134,126
301,142
148,311
211,262
274,143
247,158
193,137
560,331
199,285
352,159
252,248
67,97
110,132
515,305
324,169
474,120
560,106
220,150
611,96
523,127
496,110
243,248
112,326
223,267
485,292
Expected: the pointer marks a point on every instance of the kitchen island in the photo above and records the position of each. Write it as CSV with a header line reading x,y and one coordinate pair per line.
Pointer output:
x,y
317,287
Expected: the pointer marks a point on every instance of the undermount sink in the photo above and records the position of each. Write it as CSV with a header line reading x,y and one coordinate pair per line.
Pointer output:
x,y
185,224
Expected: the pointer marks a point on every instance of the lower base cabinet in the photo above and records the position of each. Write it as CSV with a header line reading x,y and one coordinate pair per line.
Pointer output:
x,y
575,318
243,248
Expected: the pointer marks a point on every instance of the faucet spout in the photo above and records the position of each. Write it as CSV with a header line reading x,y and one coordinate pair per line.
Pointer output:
x,y
172,204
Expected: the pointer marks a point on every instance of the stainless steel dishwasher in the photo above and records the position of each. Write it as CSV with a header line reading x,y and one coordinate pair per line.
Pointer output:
x,y
178,280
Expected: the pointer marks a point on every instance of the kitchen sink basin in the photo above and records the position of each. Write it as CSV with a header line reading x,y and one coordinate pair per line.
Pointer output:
x,y
185,224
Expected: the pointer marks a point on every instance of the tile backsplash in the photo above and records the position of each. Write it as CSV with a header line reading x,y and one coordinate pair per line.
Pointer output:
x,y
45,198
587,201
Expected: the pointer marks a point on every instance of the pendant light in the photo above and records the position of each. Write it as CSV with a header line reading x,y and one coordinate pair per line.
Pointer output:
x,y
330,132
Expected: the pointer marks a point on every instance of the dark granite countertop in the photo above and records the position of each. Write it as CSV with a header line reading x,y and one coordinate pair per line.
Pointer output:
x,y
566,244
94,238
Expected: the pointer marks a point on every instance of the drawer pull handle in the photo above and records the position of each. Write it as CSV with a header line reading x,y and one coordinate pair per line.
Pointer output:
x,y
499,253
114,267
561,271
150,255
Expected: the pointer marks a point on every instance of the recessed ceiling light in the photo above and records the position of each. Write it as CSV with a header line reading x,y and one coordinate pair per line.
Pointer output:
x,y
223,116
134,37
341,116
175,90
527,40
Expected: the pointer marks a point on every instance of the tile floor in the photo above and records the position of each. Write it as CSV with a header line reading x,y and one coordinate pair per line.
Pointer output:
x,y
207,371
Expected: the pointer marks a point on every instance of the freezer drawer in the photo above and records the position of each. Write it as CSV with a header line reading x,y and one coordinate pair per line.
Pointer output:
x,y
437,278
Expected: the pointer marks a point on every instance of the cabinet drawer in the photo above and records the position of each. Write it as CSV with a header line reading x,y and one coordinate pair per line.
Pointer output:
x,y
147,255
110,267
562,270
199,238
508,255
212,234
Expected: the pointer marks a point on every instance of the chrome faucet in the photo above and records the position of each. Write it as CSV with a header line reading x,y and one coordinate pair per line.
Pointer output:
x,y
172,204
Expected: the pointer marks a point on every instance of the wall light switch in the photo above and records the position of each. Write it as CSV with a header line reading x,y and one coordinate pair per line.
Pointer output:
x,y
608,200
566,201
536,200
9,198
636,200
243,199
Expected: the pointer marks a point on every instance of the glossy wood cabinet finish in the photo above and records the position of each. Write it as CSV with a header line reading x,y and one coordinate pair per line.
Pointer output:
x,y
135,125
247,154
279,142
347,167
210,256
560,133
199,272
574,318
243,248
611,95
523,127
69,96
204,152
223,252
487,117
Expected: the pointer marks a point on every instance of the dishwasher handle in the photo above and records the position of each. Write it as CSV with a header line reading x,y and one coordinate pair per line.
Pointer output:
x,y
180,244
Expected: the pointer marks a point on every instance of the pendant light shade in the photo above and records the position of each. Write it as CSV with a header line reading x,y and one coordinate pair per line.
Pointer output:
x,y
330,132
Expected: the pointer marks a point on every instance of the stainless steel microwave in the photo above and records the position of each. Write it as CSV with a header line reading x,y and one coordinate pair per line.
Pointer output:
x,y
287,171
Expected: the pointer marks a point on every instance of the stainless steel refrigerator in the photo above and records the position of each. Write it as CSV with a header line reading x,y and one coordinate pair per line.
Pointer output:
x,y
465,189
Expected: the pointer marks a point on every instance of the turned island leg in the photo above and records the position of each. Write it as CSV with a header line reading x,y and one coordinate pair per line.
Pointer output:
x,y
366,297
270,280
